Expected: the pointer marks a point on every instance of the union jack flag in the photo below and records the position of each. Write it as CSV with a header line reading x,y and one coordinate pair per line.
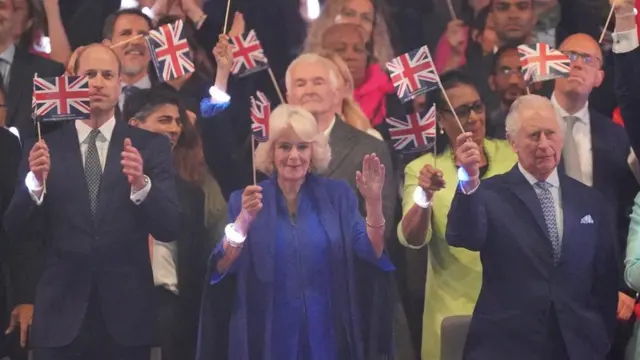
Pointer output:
x,y
413,73
416,133
260,113
170,51
61,98
248,55
540,62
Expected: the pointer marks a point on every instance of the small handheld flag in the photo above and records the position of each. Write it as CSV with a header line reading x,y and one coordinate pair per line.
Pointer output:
x,y
170,51
413,73
248,55
260,113
61,98
540,62
416,133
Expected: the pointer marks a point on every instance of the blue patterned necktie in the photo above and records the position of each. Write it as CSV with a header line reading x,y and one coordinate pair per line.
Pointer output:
x,y
549,212
93,169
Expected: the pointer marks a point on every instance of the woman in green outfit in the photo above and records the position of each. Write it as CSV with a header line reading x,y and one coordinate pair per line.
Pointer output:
x,y
454,275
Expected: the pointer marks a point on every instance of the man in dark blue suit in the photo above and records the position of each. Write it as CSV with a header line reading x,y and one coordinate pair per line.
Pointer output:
x,y
550,271
100,189
595,152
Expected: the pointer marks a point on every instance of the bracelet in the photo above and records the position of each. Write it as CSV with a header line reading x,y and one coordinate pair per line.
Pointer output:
x,y
625,15
234,238
375,227
420,198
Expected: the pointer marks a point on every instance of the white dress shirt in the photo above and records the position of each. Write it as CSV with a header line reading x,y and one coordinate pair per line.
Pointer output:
x,y
6,61
327,132
625,41
554,180
163,264
582,137
102,144
144,83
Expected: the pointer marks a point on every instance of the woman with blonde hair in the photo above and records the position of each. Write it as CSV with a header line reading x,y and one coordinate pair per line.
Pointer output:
x,y
360,12
349,110
311,274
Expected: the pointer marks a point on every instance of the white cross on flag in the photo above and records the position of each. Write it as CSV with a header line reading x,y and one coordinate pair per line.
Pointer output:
x,y
416,133
61,98
170,51
248,55
413,73
540,62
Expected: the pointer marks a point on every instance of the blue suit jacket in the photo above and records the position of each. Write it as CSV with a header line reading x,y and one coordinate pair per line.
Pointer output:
x,y
109,254
522,291
237,310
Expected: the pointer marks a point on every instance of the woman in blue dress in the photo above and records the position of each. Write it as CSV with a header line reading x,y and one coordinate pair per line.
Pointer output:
x,y
309,273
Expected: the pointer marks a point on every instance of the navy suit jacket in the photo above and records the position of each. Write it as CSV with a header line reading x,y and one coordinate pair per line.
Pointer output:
x,y
522,290
108,254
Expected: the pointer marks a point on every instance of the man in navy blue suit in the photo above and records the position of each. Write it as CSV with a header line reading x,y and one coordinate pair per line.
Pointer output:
x,y
100,188
547,245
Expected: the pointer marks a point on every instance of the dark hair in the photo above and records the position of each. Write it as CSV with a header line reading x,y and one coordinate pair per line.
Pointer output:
x,y
109,24
142,103
495,59
35,13
76,65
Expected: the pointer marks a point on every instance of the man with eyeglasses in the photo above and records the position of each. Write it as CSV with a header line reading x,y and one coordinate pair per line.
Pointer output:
x,y
507,82
595,150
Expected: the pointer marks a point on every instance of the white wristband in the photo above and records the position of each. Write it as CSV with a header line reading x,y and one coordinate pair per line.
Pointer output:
x,y
234,238
420,198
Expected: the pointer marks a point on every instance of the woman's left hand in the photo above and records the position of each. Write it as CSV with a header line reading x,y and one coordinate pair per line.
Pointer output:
x,y
371,179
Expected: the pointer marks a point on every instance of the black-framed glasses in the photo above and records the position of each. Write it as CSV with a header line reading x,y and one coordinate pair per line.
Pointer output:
x,y
463,111
587,59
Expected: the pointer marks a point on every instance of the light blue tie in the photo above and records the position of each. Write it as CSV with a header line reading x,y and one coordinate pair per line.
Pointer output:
x,y
549,212
93,169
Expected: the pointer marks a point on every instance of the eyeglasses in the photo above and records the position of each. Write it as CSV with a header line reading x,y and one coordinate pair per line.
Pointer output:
x,y
508,71
587,59
463,111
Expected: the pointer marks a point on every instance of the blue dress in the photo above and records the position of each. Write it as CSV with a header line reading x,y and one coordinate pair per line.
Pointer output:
x,y
302,320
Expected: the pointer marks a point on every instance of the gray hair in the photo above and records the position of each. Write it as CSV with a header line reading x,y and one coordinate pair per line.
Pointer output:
x,y
527,102
314,58
305,126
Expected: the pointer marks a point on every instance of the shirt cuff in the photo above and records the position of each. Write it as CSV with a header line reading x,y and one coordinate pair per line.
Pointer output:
x,y
139,196
625,41
34,186
461,183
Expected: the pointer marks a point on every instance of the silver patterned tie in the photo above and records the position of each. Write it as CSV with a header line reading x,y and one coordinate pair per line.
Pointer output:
x,y
549,212
93,169
570,153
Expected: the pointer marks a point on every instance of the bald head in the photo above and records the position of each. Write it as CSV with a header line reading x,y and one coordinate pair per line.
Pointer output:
x,y
100,50
585,72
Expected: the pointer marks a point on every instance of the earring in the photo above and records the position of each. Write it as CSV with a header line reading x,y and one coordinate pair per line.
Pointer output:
x,y
441,131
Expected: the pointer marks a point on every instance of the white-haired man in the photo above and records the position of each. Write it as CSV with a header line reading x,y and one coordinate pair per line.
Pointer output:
x,y
312,82
550,275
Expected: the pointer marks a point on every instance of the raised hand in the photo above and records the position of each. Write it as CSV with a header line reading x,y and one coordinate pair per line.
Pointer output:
x,y
456,36
223,54
430,180
40,161
133,166
620,5
251,202
371,179
238,26
468,154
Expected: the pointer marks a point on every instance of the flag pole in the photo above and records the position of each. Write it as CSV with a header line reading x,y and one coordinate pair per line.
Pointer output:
x,y
606,24
275,84
226,18
253,157
127,41
38,128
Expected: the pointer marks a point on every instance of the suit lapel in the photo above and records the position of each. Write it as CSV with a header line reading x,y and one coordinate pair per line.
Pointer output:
x,y
112,169
570,209
20,83
74,169
341,143
524,191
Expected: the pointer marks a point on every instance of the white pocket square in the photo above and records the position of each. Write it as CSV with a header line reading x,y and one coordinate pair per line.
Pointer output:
x,y
586,220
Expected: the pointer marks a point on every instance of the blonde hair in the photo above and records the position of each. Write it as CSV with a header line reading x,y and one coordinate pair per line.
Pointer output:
x,y
351,112
382,48
291,117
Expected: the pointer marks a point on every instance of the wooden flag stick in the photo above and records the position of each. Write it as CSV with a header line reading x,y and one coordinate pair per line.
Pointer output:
x,y
275,84
451,10
226,19
606,25
127,41
253,157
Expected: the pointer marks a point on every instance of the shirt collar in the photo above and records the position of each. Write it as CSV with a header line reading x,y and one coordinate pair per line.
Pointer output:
x,y
582,114
553,179
106,130
144,83
9,54
328,131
